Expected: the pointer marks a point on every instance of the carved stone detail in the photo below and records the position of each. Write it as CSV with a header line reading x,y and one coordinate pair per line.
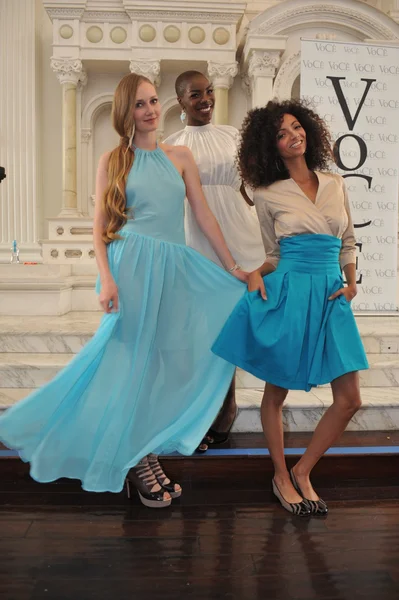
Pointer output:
x,y
263,63
288,72
148,68
86,135
182,16
99,16
246,84
222,74
329,12
326,36
69,70
64,13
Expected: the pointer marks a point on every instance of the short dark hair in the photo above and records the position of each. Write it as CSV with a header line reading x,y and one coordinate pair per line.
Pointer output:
x,y
258,160
183,79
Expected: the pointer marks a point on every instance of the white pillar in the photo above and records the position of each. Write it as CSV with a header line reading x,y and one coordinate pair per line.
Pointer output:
x,y
69,73
18,192
147,68
262,67
394,12
222,76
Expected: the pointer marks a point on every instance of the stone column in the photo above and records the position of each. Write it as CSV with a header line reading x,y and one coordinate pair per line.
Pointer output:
x,y
394,12
18,136
262,67
69,73
87,159
222,76
148,68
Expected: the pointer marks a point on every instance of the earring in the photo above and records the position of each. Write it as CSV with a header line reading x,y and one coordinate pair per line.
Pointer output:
x,y
183,115
132,136
278,167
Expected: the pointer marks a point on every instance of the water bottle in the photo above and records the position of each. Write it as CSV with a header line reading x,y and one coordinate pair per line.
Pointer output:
x,y
14,253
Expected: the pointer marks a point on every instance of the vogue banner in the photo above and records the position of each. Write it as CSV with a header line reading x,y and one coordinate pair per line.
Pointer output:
x,y
354,88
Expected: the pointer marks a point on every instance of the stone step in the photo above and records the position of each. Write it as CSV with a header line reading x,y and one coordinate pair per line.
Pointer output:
x,y
68,333
302,410
25,369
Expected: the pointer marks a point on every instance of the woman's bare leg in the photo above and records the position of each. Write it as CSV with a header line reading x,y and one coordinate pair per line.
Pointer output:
x,y
346,402
272,423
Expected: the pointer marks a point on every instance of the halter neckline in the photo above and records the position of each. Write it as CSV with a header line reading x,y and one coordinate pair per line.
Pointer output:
x,y
143,149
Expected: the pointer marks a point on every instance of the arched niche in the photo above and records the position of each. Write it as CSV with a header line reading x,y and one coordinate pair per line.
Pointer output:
x,y
170,118
359,19
355,20
97,137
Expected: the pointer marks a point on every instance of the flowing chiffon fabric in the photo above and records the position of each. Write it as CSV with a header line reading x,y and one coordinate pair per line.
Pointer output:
x,y
147,381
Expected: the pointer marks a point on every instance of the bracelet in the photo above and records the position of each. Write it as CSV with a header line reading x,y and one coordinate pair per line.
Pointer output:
x,y
235,268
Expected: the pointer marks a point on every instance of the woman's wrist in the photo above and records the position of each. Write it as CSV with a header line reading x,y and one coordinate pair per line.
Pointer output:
x,y
235,267
106,277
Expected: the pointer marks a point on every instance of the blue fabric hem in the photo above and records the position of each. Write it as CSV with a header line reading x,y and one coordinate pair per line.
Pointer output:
x,y
284,383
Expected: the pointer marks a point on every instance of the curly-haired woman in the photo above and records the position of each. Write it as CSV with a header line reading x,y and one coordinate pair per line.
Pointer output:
x,y
295,328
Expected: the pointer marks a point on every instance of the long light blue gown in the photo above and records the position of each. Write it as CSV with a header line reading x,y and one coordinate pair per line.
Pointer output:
x,y
147,381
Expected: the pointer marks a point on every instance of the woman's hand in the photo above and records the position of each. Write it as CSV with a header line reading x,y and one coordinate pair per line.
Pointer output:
x,y
256,283
109,296
241,275
349,292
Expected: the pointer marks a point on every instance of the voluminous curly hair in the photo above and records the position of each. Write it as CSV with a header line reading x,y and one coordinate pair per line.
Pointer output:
x,y
259,162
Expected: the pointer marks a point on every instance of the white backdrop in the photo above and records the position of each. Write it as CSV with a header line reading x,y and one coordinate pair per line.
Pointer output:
x,y
354,88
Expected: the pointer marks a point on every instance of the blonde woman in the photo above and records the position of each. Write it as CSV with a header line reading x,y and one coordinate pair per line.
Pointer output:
x,y
147,383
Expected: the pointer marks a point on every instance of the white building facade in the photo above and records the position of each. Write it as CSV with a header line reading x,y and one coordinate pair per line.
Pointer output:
x,y
60,63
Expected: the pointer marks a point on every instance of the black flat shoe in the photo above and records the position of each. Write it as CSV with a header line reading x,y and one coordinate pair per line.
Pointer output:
x,y
317,507
301,509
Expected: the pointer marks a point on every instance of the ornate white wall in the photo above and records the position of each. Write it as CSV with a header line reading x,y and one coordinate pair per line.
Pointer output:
x,y
70,56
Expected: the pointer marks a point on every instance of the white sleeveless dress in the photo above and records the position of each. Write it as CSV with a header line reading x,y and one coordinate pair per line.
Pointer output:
x,y
214,148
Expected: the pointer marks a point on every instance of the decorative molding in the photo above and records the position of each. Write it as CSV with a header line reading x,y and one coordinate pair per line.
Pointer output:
x,y
222,74
99,16
263,63
64,13
68,70
188,16
148,68
288,72
394,14
85,135
326,36
246,84
339,15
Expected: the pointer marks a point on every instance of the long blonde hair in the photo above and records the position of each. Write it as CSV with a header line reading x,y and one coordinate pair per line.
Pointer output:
x,y
121,158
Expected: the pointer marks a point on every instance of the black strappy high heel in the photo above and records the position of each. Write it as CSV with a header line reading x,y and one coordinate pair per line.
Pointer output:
x,y
172,487
146,484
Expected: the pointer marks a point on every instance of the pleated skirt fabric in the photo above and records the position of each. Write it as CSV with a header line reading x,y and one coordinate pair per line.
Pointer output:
x,y
297,338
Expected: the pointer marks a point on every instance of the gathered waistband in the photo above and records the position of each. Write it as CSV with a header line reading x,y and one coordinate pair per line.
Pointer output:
x,y
310,253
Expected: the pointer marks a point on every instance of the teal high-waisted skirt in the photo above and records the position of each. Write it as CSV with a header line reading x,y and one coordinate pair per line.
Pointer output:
x,y
297,338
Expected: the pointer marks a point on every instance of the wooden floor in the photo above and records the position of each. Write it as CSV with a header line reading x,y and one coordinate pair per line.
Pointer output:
x,y
224,539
